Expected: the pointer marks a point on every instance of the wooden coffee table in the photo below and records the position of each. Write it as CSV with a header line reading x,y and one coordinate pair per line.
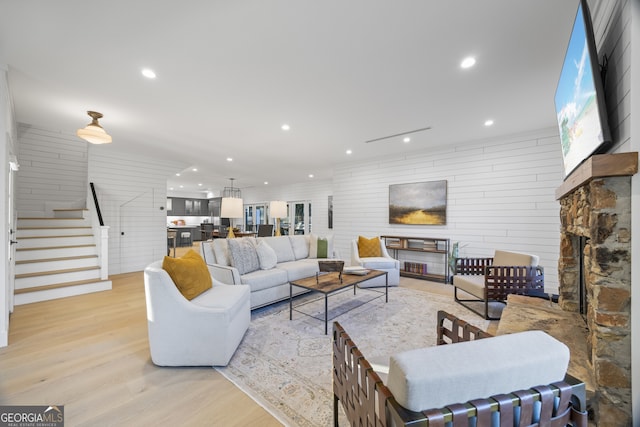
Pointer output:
x,y
330,283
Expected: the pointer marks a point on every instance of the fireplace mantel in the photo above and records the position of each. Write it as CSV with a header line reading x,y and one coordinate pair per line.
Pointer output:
x,y
598,166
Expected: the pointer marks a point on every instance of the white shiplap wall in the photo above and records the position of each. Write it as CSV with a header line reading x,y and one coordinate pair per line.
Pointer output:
x,y
131,191
500,194
53,171
612,28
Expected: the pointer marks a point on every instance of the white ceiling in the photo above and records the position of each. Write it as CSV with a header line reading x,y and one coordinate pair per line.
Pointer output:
x,y
230,73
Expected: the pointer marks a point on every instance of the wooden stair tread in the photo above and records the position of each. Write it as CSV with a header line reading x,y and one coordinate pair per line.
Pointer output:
x,y
67,258
53,228
48,218
54,237
56,247
56,286
52,272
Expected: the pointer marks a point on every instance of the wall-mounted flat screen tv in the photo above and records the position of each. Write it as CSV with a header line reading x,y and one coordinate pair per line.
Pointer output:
x,y
579,99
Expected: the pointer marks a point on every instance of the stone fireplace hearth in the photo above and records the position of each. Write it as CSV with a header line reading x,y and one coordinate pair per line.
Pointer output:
x,y
596,206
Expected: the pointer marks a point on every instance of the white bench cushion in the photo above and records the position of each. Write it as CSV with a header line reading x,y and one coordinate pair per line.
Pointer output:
x,y
434,377
504,258
471,284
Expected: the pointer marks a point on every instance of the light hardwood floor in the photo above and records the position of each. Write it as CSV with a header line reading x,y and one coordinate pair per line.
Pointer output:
x,y
90,353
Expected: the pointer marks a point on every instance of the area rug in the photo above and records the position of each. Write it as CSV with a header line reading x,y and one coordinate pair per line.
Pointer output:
x,y
285,365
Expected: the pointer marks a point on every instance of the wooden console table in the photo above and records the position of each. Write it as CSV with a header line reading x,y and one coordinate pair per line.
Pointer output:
x,y
423,245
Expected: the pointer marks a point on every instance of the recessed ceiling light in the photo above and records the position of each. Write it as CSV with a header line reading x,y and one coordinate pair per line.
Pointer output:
x,y
285,127
266,183
178,174
195,169
349,151
199,184
148,73
170,188
182,186
468,62
488,122
406,139
310,175
229,159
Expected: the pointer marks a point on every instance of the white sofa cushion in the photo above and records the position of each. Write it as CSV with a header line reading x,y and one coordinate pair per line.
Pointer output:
x,y
266,256
300,269
221,252
223,297
433,377
263,279
282,246
300,245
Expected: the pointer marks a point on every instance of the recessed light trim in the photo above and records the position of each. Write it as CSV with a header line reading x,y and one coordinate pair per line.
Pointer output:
x,y
229,159
349,152
488,123
148,73
285,127
406,140
178,174
195,169
468,62
310,175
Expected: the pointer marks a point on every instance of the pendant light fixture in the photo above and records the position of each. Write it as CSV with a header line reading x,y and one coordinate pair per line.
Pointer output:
x,y
93,132
231,206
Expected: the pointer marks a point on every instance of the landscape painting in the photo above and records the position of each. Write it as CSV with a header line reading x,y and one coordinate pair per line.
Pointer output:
x,y
418,203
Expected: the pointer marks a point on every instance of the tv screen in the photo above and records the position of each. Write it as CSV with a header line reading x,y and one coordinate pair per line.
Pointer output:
x,y
579,99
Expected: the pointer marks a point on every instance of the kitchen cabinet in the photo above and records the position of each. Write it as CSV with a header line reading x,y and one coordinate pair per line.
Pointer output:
x,y
176,207
181,206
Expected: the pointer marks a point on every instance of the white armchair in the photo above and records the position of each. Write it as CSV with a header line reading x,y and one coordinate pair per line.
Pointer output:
x,y
202,332
383,263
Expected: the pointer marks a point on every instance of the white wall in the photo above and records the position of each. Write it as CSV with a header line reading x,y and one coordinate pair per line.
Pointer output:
x,y
500,195
53,171
131,191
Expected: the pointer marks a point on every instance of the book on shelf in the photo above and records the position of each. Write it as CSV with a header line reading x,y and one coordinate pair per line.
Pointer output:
x,y
393,243
429,245
415,267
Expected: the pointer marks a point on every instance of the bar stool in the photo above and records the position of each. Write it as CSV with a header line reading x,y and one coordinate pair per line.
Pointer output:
x,y
185,238
172,237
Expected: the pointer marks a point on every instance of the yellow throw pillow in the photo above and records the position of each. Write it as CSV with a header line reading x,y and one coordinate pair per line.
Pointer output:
x,y
368,248
189,273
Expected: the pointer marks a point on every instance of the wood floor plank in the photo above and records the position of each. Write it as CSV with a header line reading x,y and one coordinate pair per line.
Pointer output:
x,y
91,354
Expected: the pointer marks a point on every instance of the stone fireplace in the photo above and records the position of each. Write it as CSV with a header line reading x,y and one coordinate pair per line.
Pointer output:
x,y
595,208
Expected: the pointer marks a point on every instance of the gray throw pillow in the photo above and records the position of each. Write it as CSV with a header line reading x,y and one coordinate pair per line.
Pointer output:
x,y
243,255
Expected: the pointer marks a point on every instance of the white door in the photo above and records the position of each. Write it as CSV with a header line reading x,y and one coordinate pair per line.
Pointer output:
x,y
299,217
11,227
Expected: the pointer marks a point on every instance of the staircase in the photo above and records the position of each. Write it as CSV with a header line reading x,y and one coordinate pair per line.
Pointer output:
x,y
57,257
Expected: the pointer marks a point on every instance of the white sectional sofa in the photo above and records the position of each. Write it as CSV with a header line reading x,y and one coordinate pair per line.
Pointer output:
x,y
283,259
